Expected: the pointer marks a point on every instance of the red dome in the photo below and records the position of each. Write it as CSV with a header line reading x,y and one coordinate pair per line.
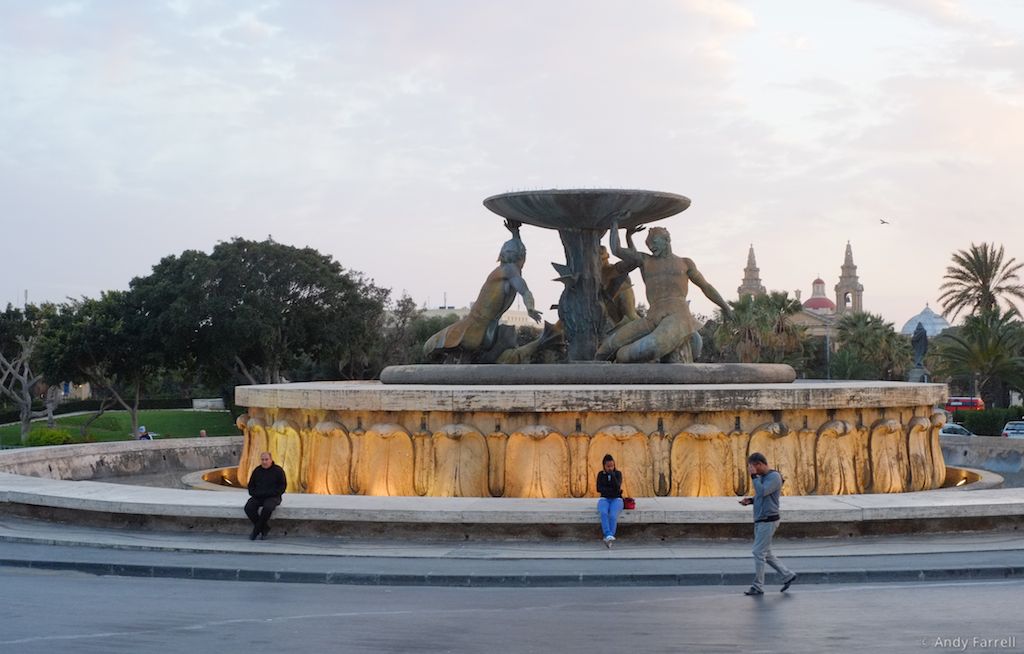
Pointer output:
x,y
819,303
819,281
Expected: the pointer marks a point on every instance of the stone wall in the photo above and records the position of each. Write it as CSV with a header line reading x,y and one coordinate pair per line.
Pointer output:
x,y
1002,455
117,459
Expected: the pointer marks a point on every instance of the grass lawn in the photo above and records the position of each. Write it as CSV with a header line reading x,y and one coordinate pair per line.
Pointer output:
x,y
116,426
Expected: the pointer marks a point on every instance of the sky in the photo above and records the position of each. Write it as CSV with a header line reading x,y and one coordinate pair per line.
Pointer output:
x,y
372,131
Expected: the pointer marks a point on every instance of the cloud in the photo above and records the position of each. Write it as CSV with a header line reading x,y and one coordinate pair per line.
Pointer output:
x,y
64,10
372,131
180,7
730,16
243,29
796,42
945,13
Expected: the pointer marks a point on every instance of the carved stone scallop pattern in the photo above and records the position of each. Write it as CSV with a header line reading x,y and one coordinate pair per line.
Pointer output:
x,y
496,444
919,454
460,463
782,448
328,459
938,419
838,449
242,422
256,437
702,462
536,463
681,454
807,480
628,446
285,446
385,461
888,448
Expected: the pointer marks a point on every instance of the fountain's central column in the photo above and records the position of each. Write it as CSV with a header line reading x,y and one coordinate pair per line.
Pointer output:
x,y
579,307
581,217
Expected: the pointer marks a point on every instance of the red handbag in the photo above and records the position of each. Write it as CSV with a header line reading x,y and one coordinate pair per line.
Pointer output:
x,y
628,503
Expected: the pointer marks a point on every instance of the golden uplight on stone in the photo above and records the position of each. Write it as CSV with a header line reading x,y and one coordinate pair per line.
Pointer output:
x,y
548,441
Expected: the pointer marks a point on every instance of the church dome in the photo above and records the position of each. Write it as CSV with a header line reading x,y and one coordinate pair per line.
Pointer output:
x,y
933,323
818,300
820,303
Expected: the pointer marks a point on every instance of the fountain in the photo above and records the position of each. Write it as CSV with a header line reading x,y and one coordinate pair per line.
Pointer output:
x,y
582,217
540,430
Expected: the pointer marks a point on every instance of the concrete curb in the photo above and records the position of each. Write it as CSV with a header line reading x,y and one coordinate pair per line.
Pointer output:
x,y
210,573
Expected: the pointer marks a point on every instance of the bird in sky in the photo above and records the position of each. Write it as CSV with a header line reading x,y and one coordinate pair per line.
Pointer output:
x,y
883,221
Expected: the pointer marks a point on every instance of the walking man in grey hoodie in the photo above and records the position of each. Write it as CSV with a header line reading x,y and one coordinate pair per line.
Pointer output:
x,y
767,488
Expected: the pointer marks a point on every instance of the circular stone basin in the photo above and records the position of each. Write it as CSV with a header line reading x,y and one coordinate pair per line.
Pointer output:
x,y
586,208
548,440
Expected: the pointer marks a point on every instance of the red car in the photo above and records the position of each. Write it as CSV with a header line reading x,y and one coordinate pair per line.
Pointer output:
x,y
965,404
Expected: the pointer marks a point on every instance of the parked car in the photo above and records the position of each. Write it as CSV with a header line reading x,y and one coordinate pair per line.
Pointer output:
x,y
965,404
1014,429
953,429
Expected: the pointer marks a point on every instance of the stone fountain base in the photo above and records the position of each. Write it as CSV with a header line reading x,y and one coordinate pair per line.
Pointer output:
x,y
597,372
532,441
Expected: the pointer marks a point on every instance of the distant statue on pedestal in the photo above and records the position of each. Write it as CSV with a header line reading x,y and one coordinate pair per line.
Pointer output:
x,y
478,338
919,345
664,334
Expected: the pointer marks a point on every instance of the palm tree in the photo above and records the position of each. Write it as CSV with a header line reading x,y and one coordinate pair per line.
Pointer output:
x,y
869,348
742,333
988,349
760,330
979,279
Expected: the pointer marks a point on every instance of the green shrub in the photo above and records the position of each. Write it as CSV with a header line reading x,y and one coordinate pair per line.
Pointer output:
x,y
988,422
46,436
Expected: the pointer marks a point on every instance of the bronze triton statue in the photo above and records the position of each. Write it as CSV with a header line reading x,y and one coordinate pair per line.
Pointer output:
x,y
478,338
664,334
617,289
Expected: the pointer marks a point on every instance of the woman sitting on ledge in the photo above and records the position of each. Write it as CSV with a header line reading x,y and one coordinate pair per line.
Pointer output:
x,y
609,486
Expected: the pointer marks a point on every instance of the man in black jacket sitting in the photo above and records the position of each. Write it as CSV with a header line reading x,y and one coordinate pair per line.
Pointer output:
x,y
266,486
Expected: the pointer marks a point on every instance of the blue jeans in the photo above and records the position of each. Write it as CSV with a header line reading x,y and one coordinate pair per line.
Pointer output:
x,y
609,511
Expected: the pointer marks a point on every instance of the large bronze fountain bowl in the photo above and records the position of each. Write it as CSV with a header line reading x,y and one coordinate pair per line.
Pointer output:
x,y
591,209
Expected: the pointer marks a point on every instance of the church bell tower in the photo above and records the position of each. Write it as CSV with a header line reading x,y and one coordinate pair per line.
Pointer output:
x,y
849,290
751,277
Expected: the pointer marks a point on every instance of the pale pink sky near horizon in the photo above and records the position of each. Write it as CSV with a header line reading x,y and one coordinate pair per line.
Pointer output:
x,y
373,131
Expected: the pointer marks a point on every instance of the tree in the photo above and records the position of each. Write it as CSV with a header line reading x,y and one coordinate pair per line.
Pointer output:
x,y
398,342
979,279
249,311
424,327
869,348
20,376
760,330
103,342
987,350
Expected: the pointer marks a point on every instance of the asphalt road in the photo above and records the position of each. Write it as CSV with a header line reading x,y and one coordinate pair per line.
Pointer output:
x,y
73,612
